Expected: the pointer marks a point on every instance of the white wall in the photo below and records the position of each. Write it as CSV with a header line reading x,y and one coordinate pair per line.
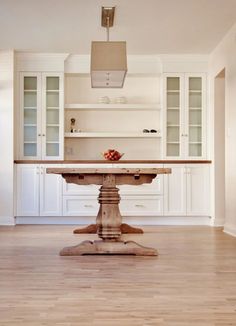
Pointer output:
x,y
224,56
6,137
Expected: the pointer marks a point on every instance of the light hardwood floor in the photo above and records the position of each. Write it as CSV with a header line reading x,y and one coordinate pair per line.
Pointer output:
x,y
191,282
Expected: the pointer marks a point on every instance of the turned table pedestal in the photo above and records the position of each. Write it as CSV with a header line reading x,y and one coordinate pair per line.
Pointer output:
x,y
109,219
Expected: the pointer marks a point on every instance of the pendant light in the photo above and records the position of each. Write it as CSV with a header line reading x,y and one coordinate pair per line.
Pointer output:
x,y
108,58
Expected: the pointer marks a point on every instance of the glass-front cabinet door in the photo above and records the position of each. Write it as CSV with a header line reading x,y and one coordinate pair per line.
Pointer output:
x,y
52,116
184,116
195,115
41,97
30,116
173,116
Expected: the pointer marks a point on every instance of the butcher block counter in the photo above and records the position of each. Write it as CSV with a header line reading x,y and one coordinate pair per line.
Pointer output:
x,y
112,162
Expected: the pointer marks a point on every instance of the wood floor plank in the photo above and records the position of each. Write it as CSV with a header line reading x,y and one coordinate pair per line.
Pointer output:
x,y
191,282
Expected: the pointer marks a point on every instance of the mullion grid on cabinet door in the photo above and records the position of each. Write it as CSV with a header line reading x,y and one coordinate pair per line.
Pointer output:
x,y
30,117
52,115
173,116
194,112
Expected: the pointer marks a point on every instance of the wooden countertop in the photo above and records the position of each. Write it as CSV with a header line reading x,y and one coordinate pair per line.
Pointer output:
x,y
113,162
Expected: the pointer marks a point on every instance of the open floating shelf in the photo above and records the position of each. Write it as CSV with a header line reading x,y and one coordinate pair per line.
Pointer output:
x,y
111,135
113,106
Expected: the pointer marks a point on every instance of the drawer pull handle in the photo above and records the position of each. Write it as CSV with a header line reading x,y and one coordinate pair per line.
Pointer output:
x,y
139,205
88,205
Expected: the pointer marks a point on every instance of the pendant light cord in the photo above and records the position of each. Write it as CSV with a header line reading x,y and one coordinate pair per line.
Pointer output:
x,y
108,22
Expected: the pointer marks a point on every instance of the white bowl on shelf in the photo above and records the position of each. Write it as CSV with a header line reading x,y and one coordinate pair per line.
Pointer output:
x,y
121,100
104,100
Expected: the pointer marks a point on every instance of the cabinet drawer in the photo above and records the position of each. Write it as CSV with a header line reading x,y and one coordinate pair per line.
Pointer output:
x,y
136,206
80,206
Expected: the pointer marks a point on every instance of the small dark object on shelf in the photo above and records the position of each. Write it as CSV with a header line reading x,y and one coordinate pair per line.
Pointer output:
x,y
145,130
153,130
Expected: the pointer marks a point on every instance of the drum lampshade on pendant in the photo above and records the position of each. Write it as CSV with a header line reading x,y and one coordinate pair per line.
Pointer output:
x,y
108,58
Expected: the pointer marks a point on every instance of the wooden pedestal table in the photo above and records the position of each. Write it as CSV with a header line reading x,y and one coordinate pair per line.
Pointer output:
x,y
109,219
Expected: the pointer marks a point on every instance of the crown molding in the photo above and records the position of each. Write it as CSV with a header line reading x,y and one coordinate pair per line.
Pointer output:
x,y
29,61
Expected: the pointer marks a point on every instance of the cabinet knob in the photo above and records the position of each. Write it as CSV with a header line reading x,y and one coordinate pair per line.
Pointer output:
x,y
39,135
43,135
88,205
138,205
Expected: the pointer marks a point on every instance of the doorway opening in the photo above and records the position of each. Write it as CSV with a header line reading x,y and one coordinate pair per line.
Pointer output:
x,y
219,147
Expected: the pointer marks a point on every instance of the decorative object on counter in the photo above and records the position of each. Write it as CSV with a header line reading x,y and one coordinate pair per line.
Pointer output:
x,y
72,125
104,100
112,155
121,100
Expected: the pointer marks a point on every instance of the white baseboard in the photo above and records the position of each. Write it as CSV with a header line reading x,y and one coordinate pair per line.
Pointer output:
x,y
149,220
7,220
229,229
218,223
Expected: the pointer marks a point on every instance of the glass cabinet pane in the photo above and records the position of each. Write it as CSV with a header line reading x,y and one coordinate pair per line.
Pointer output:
x,y
30,116
195,116
52,116
173,116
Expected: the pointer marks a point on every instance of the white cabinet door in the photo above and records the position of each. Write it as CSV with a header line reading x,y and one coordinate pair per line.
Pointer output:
x,y
30,116
50,193
198,190
184,119
52,116
195,116
28,190
41,132
175,191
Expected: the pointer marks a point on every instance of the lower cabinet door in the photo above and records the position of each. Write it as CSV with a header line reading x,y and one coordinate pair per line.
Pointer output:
x,y
141,206
27,198
175,191
198,190
80,206
50,193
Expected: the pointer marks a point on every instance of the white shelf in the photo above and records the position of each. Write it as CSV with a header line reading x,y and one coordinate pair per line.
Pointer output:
x,y
173,142
113,106
111,135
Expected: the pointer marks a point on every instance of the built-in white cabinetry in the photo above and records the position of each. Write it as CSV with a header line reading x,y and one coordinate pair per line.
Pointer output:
x,y
38,193
184,102
184,192
187,190
41,116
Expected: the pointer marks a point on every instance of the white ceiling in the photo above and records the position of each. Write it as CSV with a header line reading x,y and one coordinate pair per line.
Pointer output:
x,y
148,26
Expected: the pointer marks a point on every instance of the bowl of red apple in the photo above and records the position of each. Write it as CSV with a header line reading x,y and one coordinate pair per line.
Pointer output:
x,y
112,155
